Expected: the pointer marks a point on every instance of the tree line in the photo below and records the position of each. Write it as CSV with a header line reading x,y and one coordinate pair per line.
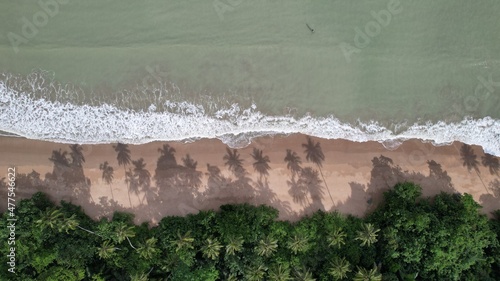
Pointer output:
x,y
407,237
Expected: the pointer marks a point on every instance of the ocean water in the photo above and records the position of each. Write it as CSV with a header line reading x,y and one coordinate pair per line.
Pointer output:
x,y
137,71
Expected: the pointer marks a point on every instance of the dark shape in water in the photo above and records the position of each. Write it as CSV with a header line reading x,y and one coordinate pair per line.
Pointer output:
x,y
310,28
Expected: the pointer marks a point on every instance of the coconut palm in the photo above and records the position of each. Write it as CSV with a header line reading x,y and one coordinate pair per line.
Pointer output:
x,y
233,161
148,250
314,153
139,277
106,250
368,234
364,274
68,224
76,153
124,232
293,162
266,246
261,164
51,218
211,248
107,175
336,238
279,273
298,243
491,162
255,273
304,274
234,245
183,242
339,268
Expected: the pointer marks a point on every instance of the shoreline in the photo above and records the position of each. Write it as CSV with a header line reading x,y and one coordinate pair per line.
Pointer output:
x,y
356,174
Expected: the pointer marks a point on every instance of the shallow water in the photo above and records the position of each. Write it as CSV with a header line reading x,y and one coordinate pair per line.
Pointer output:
x,y
419,61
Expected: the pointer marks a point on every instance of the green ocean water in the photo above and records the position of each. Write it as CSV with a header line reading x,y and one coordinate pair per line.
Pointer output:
x,y
425,63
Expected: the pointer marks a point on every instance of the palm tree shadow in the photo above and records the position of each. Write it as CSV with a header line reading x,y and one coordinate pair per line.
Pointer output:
x,y
261,164
490,201
384,175
309,178
469,160
492,163
314,153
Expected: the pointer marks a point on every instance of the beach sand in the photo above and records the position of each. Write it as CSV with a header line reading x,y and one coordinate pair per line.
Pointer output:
x,y
356,174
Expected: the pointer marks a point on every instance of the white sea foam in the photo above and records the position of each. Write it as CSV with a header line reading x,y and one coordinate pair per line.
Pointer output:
x,y
65,122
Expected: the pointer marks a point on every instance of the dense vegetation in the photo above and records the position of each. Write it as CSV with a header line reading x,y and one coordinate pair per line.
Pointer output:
x,y
407,238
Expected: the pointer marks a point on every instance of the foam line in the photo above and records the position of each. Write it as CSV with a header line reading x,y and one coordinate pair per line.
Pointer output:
x,y
65,122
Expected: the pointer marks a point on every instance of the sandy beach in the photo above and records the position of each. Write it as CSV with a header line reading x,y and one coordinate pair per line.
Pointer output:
x,y
351,179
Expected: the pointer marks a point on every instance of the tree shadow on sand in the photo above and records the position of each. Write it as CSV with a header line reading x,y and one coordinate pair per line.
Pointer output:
x,y
384,175
238,187
493,198
67,172
469,160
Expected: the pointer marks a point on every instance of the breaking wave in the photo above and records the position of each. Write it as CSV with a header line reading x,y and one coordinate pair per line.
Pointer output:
x,y
34,117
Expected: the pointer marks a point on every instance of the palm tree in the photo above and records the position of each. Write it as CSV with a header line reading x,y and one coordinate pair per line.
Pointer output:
x,y
279,273
364,274
267,246
261,164
183,241
234,245
469,159
492,163
107,175
106,250
51,218
211,248
368,234
233,161
339,268
139,277
148,250
124,232
304,274
68,224
77,155
293,162
255,273
298,243
314,153
336,238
